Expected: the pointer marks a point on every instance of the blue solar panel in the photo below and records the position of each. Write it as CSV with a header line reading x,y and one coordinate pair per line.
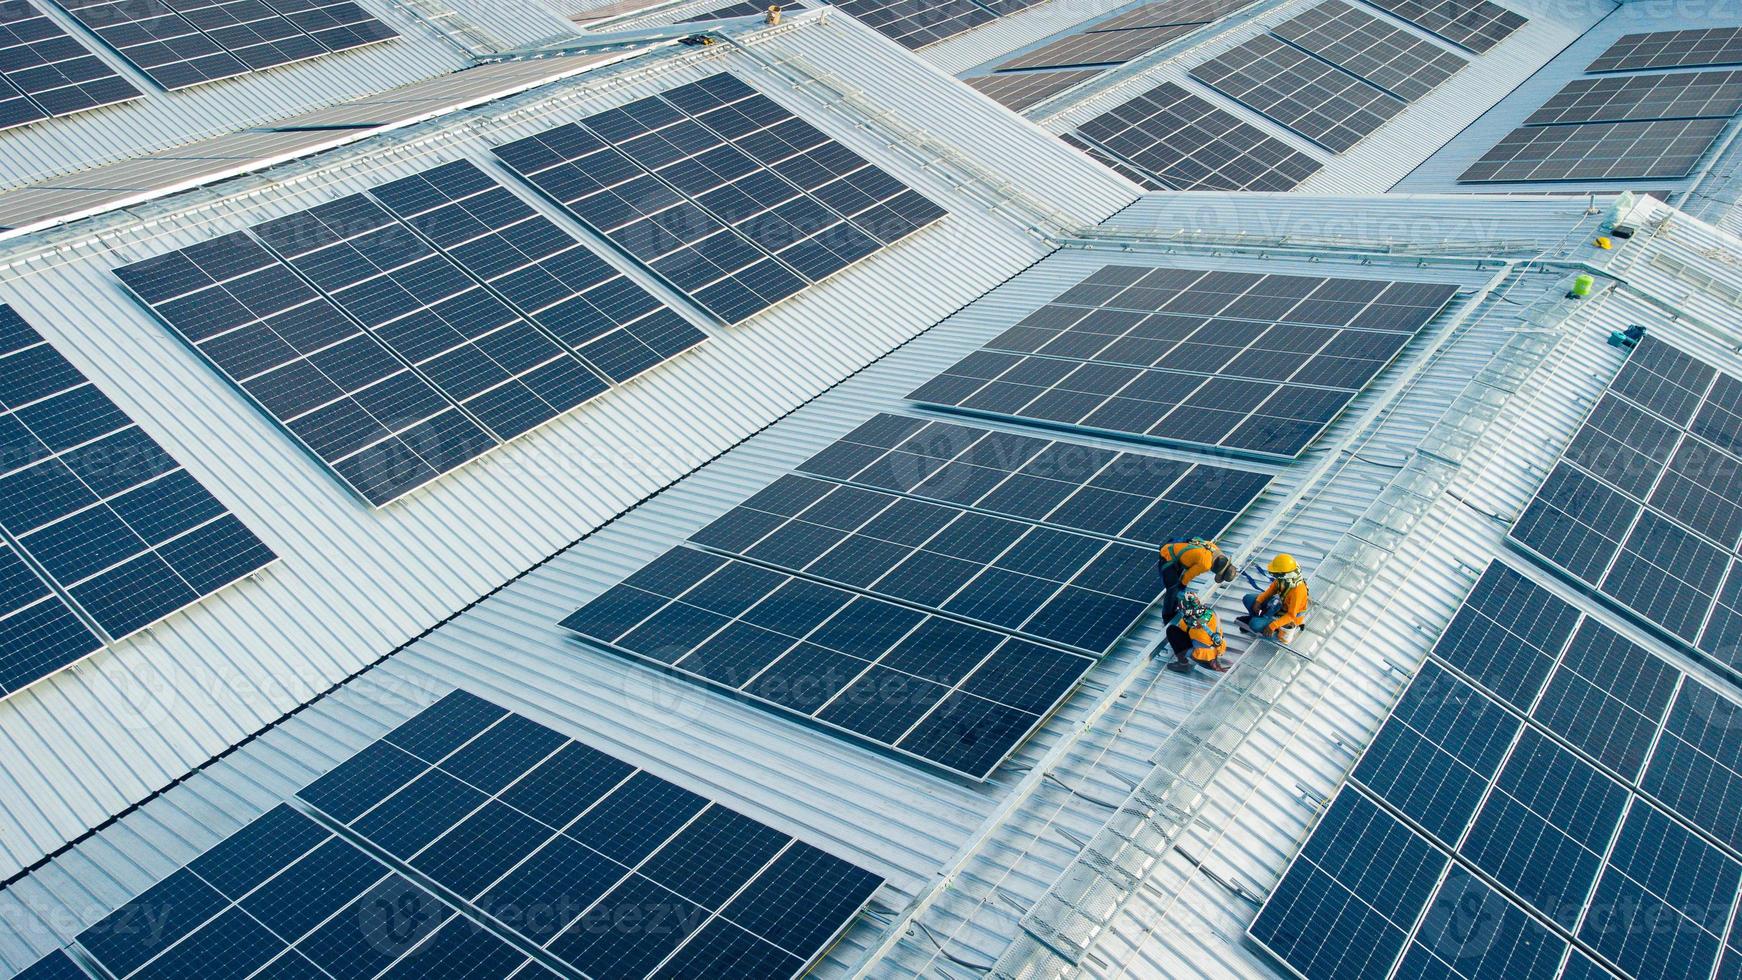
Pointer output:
x,y
1556,865
1081,488
288,898
100,510
955,695
1647,483
403,332
1239,361
1348,903
55,966
733,199
558,844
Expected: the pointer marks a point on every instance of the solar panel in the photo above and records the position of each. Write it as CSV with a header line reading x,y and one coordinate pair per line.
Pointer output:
x,y
916,23
562,845
286,896
1697,48
1186,143
1686,95
546,275
1597,151
1052,585
1166,13
45,72
1350,899
1019,90
1645,483
100,510
924,686
1238,361
1099,47
1311,97
1108,160
1356,41
733,199
1475,25
396,349
1547,848
1067,485
186,42
55,966
746,8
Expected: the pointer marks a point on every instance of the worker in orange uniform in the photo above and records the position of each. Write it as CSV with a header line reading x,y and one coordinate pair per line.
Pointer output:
x,y
1279,611
1182,561
1196,637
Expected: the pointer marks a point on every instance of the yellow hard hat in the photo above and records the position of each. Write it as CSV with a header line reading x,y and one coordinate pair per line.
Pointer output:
x,y
1283,564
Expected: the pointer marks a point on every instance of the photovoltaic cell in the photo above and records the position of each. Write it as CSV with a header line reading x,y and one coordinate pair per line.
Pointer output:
x,y
396,348
1144,180
1237,360
185,42
1166,13
1183,142
1475,25
45,72
733,199
1358,42
1019,90
1639,507
1634,868
1698,48
98,506
1683,95
957,696
747,8
561,844
1124,495
1048,584
1310,96
1660,149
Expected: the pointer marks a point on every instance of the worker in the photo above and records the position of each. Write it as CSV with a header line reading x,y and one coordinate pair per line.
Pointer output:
x,y
1196,637
1183,561
1280,610
773,18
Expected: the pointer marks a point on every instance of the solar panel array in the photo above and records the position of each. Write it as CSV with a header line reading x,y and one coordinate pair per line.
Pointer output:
x,y
561,845
733,199
1180,141
1393,59
398,348
1166,13
1239,361
1101,48
45,72
916,23
1068,485
745,8
1699,48
186,42
1019,90
1598,151
1142,179
498,833
1642,505
99,510
1544,796
1619,98
1312,97
920,585
1475,25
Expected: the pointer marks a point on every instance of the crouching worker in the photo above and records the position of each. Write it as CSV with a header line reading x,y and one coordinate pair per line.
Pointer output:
x,y
1183,561
1196,637
1280,610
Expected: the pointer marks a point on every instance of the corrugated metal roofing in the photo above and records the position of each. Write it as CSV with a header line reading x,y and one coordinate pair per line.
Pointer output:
x,y
354,584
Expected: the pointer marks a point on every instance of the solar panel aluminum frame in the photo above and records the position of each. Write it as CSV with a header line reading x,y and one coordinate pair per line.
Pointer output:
x,y
833,729
1638,617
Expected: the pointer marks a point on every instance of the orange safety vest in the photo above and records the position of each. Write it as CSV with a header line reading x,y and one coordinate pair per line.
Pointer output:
x,y
1194,557
1207,641
1294,603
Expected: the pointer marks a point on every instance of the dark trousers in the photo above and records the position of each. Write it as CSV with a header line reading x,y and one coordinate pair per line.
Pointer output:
x,y
1172,588
1181,644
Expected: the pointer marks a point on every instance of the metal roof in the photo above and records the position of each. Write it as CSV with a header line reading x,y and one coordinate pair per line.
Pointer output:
x,y
1133,833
